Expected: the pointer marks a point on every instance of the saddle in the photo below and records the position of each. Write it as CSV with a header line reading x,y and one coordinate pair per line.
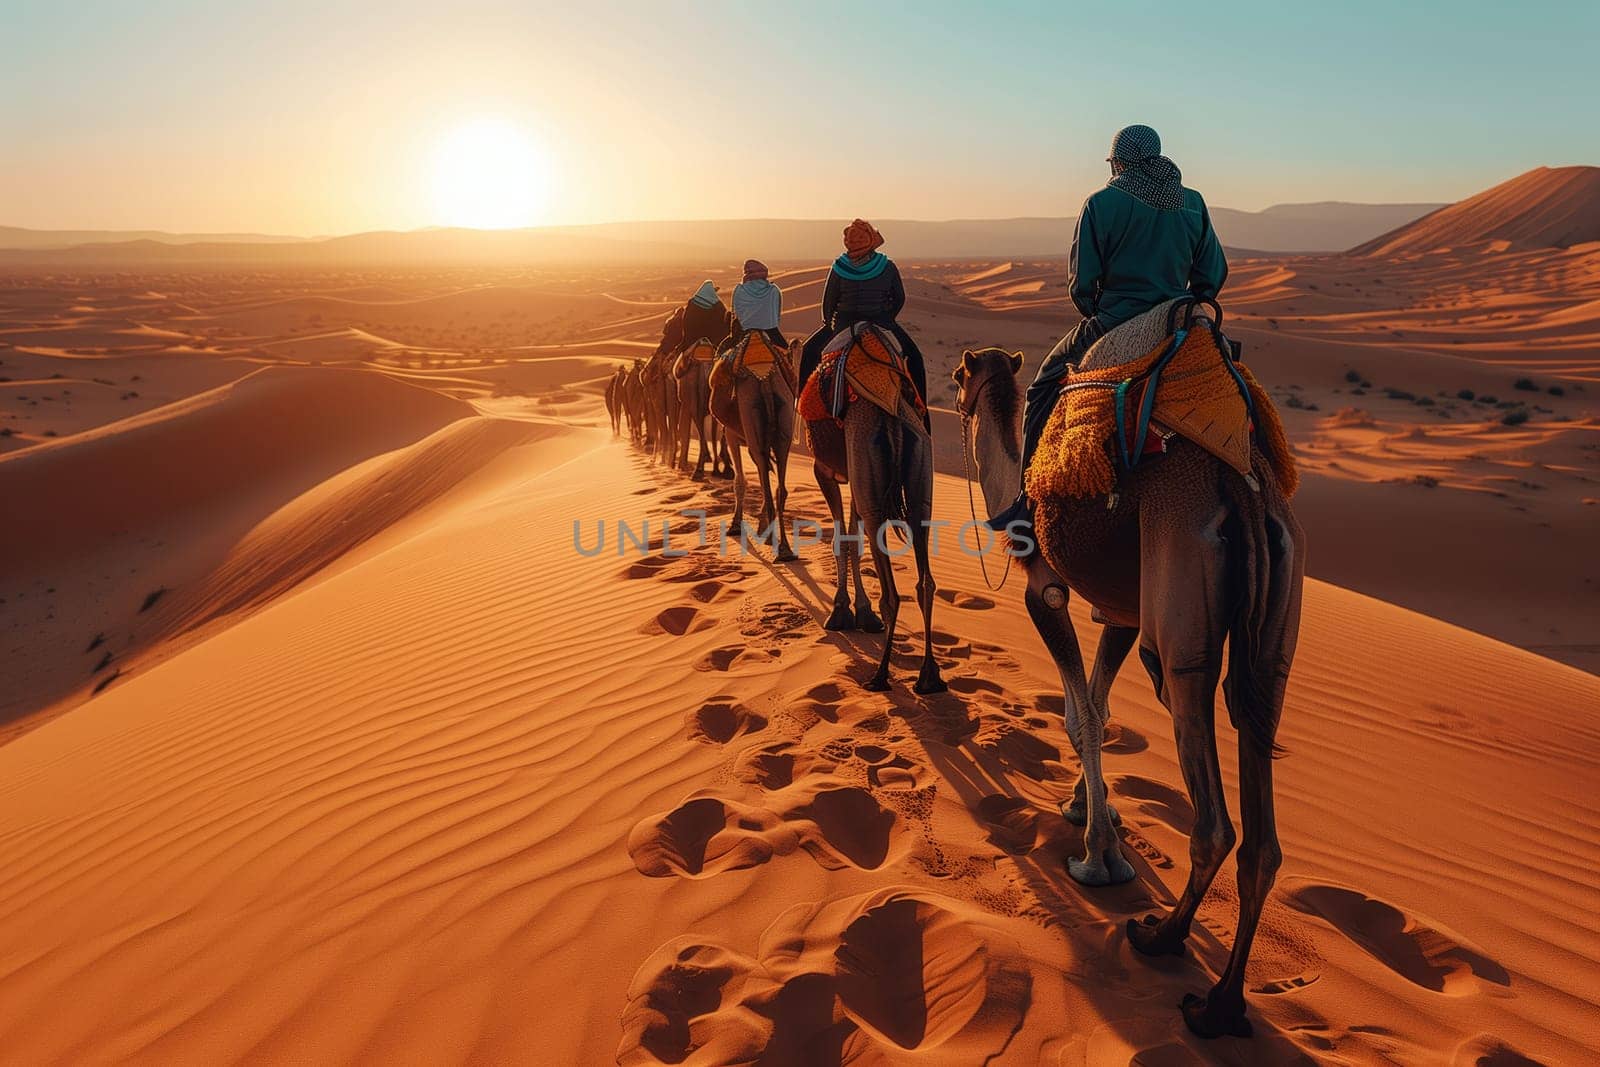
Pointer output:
x,y
1169,372
702,351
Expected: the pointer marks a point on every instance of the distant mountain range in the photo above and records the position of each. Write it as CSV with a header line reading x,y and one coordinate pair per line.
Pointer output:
x,y
1319,227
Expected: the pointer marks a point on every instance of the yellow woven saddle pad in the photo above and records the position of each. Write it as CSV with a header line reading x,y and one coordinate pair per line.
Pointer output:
x,y
702,351
1196,396
755,355
873,364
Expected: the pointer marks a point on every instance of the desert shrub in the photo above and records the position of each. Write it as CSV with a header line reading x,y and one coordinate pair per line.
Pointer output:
x,y
1352,376
1426,480
1399,394
1525,384
1514,417
1556,390
1465,394
1486,399
1424,401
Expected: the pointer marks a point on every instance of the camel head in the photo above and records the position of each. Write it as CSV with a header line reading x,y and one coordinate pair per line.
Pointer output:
x,y
989,393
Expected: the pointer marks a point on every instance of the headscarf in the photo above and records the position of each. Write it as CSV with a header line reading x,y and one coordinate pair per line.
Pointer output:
x,y
754,268
757,304
1147,175
861,239
706,295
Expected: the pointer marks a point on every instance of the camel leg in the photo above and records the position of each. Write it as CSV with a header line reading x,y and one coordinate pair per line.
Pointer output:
x,y
1221,1011
738,488
888,602
708,444
1115,644
866,621
841,618
1212,838
782,433
1102,862
928,678
1182,583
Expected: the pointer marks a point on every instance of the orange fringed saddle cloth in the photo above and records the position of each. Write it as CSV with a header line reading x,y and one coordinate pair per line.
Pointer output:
x,y
1188,385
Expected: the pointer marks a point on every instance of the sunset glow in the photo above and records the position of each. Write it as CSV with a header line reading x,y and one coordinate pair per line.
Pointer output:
x,y
490,174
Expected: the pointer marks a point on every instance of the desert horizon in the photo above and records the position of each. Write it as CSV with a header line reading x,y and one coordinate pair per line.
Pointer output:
x,y
494,565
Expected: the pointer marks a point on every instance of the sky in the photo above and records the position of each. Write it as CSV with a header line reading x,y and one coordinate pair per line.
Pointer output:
x,y
313,118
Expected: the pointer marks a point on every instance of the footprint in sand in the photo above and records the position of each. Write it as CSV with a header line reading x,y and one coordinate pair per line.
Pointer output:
x,y
966,601
1143,846
781,619
837,825
1156,800
726,658
678,621
1123,740
1404,943
712,590
720,720
1012,822
880,974
767,766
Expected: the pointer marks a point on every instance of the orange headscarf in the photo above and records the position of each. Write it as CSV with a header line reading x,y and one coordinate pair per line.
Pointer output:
x,y
861,239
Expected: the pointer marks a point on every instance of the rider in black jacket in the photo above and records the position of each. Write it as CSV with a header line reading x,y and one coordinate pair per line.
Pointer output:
x,y
864,286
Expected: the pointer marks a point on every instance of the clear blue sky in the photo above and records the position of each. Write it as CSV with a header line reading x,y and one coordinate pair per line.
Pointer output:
x,y
311,117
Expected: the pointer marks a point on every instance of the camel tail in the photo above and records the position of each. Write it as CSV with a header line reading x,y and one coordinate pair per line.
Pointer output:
x,y
1268,562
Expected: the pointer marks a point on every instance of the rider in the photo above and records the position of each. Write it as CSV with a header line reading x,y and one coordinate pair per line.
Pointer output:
x,y
864,286
706,316
758,305
1142,240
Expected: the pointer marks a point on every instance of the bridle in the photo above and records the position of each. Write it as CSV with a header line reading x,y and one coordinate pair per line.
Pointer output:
x,y
965,411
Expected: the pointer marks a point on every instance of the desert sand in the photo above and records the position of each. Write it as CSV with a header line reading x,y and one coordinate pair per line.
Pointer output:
x,y
323,742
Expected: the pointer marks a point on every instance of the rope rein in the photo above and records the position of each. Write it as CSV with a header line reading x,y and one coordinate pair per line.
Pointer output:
x,y
972,505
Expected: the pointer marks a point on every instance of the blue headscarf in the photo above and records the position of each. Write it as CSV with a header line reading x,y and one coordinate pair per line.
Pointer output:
x,y
705,296
866,270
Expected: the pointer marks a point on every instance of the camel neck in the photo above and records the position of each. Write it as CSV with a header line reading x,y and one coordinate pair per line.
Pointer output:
x,y
995,448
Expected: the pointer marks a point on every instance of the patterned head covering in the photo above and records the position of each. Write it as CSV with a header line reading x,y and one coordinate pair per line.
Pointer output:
x,y
861,239
754,268
1146,174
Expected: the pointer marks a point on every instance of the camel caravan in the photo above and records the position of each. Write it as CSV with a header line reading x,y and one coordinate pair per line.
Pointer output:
x,y
1145,470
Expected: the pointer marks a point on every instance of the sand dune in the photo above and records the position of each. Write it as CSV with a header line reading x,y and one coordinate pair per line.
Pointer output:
x,y
388,814
122,516
322,740
1549,207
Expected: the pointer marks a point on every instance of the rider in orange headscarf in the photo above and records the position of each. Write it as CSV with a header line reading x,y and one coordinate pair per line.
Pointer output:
x,y
864,286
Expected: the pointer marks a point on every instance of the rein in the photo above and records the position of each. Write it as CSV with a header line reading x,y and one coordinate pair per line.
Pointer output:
x,y
972,505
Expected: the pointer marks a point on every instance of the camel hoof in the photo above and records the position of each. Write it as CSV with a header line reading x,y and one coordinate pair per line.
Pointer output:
x,y
868,622
841,619
1208,1021
787,555
929,681
878,683
1146,936
1078,814
1109,869
698,476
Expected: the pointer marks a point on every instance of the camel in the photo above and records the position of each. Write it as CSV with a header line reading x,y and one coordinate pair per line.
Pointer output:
x,y
692,375
614,387
758,414
888,462
661,406
1184,556
633,403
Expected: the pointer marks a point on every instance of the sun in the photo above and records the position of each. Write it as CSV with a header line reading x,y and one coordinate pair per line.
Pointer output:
x,y
489,174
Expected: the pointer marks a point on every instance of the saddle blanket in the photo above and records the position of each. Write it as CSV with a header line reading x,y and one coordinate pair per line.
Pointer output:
x,y
1196,395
